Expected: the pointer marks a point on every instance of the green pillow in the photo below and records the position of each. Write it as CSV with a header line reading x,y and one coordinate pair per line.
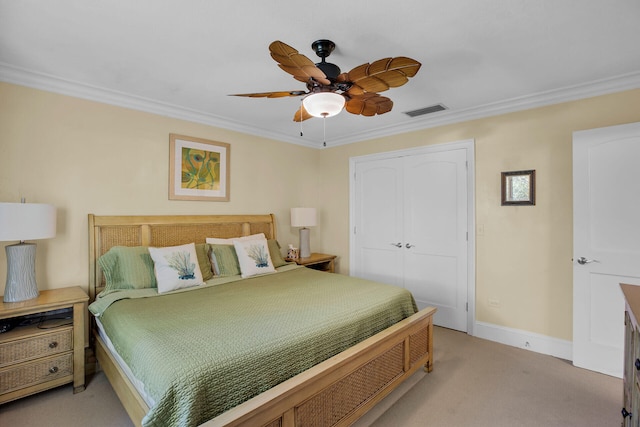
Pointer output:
x,y
113,279
128,267
224,260
202,252
274,252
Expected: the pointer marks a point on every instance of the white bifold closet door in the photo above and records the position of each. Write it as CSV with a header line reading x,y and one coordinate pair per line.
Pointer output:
x,y
411,228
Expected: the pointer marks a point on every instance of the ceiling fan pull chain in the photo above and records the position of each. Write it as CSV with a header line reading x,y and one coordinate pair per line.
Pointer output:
x,y
301,134
324,126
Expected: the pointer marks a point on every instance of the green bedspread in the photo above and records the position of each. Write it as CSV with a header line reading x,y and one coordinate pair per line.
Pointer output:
x,y
203,351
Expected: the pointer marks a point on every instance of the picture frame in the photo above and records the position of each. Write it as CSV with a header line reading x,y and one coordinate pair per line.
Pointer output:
x,y
199,169
518,188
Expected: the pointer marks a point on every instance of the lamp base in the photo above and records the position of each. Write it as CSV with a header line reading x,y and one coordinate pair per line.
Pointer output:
x,y
305,247
21,272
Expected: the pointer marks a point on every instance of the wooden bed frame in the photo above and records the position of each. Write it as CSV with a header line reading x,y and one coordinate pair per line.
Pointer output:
x,y
335,392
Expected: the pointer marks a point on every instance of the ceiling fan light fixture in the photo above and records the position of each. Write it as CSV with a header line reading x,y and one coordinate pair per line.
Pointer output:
x,y
323,104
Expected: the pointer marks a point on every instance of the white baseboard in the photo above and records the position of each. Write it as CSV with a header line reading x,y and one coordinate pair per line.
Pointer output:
x,y
525,339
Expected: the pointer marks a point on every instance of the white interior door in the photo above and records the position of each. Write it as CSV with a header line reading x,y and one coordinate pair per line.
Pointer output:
x,y
435,234
379,186
606,209
410,218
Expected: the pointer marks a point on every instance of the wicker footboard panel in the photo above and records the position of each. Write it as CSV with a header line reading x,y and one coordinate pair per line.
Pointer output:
x,y
346,395
340,390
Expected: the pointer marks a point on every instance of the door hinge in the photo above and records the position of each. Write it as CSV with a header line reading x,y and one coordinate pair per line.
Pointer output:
x,y
354,230
467,306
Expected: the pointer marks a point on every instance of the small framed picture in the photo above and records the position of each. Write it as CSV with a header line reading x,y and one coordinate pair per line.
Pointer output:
x,y
519,188
199,169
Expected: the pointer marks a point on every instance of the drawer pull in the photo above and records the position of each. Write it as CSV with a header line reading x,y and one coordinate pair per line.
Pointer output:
x,y
637,364
53,369
53,344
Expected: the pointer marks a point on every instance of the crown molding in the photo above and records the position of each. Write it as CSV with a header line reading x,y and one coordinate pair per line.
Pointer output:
x,y
540,99
46,82
36,80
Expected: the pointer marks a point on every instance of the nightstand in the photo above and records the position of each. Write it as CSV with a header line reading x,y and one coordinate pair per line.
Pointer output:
x,y
322,262
40,355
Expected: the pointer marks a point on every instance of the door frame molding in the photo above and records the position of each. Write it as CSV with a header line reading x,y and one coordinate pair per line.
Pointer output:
x,y
469,145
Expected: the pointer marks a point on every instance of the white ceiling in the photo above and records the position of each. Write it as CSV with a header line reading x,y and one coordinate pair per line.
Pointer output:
x,y
182,58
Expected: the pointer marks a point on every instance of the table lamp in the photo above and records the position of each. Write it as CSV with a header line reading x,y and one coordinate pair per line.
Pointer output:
x,y
24,221
304,217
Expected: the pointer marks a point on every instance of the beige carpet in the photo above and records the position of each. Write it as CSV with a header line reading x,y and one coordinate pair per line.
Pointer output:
x,y
480,383
474,383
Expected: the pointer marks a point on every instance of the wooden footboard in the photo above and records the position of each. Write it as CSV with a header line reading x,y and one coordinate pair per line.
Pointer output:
x,y
341,389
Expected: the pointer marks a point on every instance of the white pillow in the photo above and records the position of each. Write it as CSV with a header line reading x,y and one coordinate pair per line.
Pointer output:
x,y
176,267
253,256
217,241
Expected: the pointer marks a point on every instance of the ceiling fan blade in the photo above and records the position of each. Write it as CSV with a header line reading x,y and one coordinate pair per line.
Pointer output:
x,y
296,64
355,91
280,94
369,105
301,115
306,73
383,73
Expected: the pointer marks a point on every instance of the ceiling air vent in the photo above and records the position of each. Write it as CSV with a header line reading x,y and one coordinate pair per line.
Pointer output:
x,y
426,110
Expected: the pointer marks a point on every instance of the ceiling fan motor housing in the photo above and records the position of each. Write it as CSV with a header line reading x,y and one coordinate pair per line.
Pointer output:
x,y
332,71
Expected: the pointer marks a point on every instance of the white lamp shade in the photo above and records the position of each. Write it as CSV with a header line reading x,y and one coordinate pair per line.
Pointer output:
x,y
303,217
27,221
323,104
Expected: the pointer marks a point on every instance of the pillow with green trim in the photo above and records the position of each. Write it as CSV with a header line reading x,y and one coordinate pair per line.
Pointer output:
x,y
127,267
224,260
276,255
204,261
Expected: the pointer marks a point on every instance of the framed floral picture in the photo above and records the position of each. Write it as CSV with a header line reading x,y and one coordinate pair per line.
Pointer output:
x,y
198,169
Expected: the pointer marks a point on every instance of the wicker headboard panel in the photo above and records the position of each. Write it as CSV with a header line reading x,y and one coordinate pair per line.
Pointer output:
x,y
169,230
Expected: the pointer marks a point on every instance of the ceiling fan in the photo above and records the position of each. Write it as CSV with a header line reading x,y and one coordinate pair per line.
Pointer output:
x,y
329,90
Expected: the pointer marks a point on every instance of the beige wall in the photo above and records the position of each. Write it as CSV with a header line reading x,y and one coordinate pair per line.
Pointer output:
x,y
86,157
523,254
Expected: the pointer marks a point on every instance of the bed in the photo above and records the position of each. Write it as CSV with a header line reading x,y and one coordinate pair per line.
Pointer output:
x,y
346,378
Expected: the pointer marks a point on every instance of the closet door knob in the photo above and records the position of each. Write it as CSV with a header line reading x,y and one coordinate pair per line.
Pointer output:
x,y
397,245
408,246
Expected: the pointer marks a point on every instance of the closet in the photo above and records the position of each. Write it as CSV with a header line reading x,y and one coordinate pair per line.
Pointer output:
x,y
412,217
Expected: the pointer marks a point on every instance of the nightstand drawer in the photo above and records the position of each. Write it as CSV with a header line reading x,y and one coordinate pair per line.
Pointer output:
x,y
39,371
34,347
